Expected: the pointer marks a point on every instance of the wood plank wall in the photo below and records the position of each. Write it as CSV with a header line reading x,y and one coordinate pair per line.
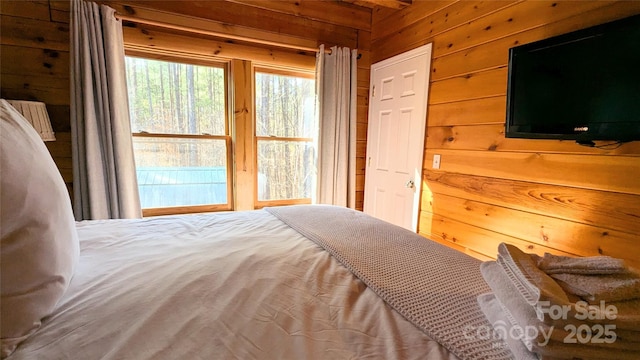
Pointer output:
x,y
34,58
541,195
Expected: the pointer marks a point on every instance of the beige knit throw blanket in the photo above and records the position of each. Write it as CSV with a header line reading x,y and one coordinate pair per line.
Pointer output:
x,y
434,287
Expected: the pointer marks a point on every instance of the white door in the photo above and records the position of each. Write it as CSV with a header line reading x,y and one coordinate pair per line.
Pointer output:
x,y
395,139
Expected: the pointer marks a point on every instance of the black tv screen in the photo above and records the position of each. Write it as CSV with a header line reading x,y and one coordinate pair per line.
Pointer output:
x,y
581,86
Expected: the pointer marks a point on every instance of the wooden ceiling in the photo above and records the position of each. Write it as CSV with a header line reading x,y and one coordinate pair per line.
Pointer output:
x,y
393,4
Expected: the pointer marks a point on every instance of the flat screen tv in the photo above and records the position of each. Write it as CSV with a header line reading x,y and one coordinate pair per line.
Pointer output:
x,y
583,86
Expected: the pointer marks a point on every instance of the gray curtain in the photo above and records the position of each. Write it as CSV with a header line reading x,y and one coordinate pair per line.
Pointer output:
x,y
104,176
336,83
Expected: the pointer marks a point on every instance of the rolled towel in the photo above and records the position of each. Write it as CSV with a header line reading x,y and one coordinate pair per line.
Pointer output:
x,y
521,315
596,288
493,312
591,265
545,294
534,284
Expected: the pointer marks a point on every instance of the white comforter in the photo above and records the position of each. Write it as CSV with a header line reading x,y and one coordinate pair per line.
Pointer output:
x,y
237,285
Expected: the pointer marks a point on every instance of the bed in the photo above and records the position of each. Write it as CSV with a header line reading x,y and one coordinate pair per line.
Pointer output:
x,y
233,285
298,282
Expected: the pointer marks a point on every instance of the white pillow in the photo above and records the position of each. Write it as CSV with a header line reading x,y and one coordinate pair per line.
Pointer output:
x,y
39,244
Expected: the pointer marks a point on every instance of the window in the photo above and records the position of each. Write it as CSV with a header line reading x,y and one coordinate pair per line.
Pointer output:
x,y
180,135
286,130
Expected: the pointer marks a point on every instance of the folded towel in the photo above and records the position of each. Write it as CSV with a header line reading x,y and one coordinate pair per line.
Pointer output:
x,y
526,324
493,312
521,315
592,265
534,284
594,288
626,318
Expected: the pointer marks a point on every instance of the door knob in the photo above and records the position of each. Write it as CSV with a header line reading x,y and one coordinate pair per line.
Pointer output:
x,y
410,184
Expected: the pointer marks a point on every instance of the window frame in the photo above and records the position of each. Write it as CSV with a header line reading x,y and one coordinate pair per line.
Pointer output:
x,y
308,74
188,209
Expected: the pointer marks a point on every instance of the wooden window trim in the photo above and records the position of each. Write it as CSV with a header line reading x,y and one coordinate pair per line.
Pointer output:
x,y
177,210
280,138
262,204
243,132
181,136
165,55
284,71
225,65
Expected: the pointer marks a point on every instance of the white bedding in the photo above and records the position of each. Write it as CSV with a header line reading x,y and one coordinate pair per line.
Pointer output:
x,y
217,286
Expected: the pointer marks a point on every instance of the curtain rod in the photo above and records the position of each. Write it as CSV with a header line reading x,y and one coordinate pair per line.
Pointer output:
x,y
218,34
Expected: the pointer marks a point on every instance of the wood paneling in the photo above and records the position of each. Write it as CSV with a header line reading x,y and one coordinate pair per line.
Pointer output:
x,y
244,126
34,54
50,90
541,195
422,30
478,240
26,9
323,11
205,26
34,33
607,209
60,148
402,21
460,248
491,137
490,110
144,37
59,11
607,173
470,86
544,230
475,238
255,18
492,55
364,44
393,4
41,62
509,20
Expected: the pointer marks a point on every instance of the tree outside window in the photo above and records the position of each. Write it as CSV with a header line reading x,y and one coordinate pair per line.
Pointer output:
x,y
180,134
286,130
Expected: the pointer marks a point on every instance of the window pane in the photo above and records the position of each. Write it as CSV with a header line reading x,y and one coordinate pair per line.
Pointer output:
x,y
285,106
181,172
174,98
285,170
